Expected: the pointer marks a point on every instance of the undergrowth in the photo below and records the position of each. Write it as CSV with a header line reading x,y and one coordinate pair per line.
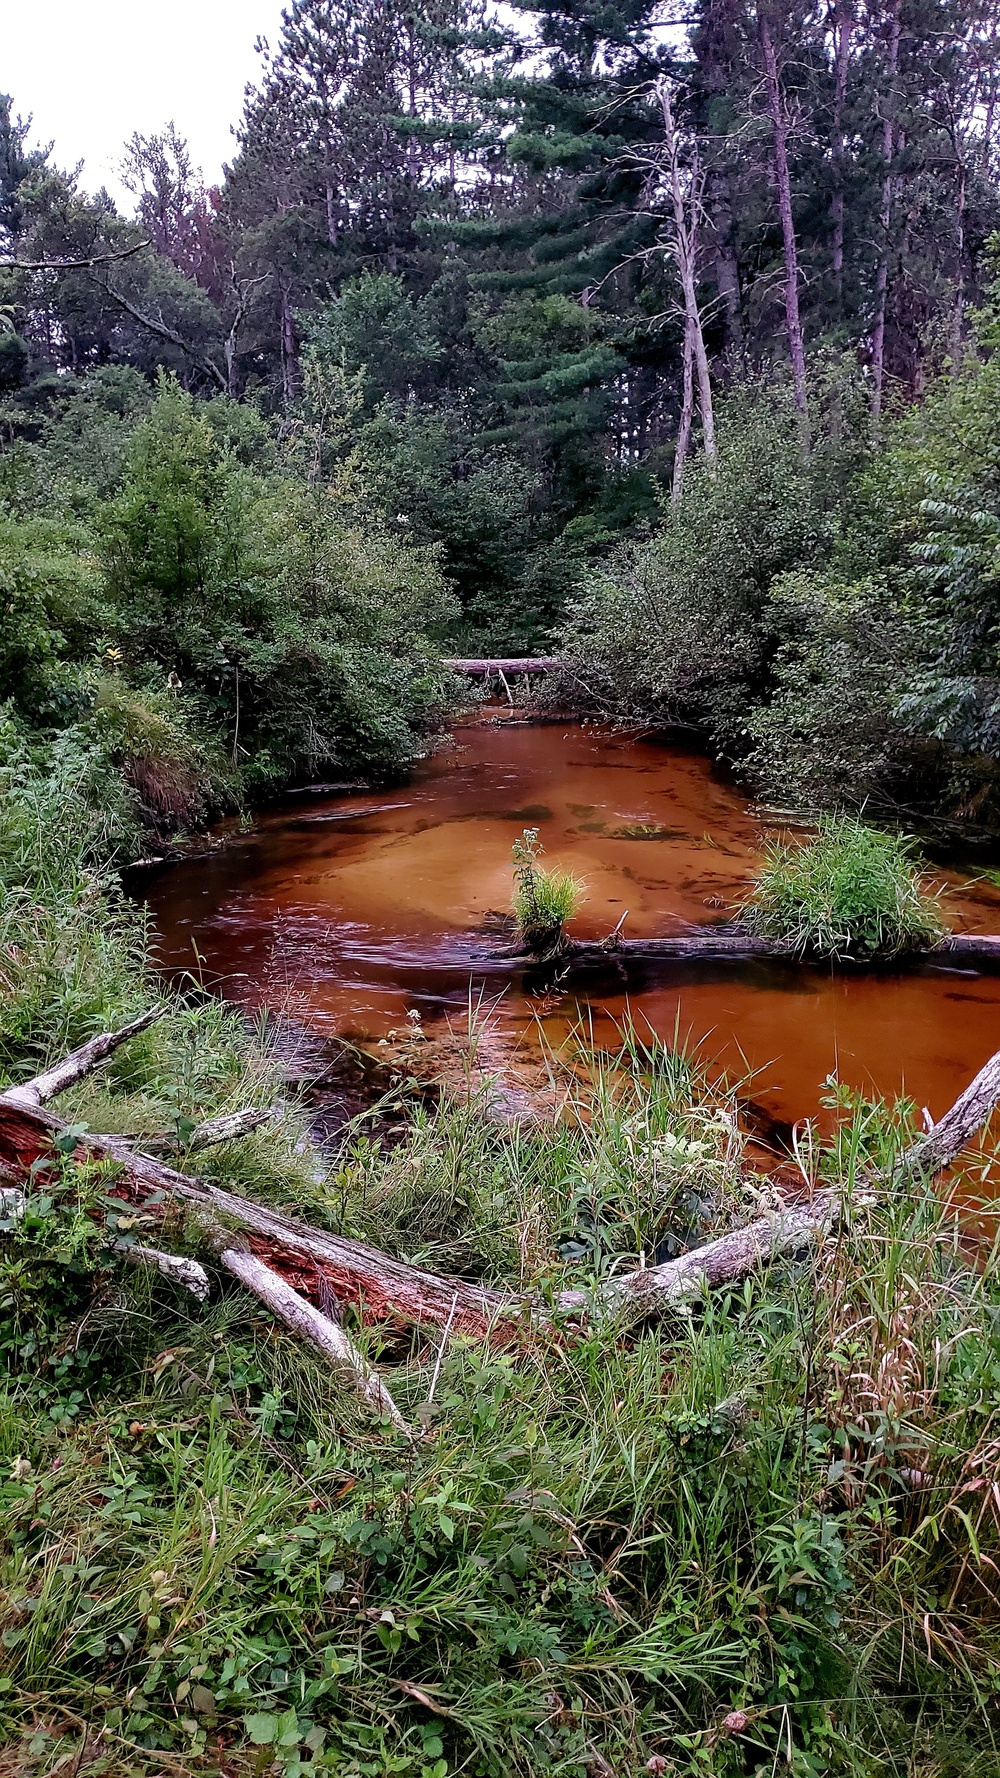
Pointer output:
x,y
761,1535
852,890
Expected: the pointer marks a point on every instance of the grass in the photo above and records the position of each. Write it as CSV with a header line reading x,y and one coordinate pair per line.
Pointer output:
x,y
850,891
762,1536
543,900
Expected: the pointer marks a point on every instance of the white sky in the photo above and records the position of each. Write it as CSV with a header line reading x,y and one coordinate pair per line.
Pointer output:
x,y
92,71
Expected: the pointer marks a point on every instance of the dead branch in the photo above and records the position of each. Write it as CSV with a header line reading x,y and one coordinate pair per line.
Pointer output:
x,y
79,1062
309,1324
186,1272
227,1128
9,263
286,1262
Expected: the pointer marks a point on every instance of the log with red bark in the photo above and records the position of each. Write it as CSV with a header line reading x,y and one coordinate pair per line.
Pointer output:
x,y
291,1266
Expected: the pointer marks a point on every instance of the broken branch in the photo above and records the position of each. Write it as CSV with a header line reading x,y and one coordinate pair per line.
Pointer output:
x,y
309,1324
80,1062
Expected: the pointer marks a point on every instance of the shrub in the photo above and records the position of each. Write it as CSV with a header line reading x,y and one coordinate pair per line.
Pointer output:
x,y
850,891
543,899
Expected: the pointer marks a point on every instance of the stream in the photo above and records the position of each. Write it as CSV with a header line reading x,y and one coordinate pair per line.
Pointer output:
x,y
348,910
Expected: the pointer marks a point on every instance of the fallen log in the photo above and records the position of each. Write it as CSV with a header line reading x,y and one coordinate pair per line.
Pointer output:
x,y
287,1263
720,942
80,1062
486,668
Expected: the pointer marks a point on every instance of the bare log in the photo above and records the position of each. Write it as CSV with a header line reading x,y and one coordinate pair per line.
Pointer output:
x,y
186,1272
970,1113
726,1260
309,1262
487,668
78,1063
309,1324
380,1287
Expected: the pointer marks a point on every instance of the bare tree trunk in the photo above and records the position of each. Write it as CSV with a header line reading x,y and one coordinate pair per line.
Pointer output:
x,y
683,444
885,215
844,31
685,242
779,127
289,350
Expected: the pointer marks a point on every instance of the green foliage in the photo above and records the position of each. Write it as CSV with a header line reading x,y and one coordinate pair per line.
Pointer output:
x,y
50,614
678,628
850,891
303,639
543,899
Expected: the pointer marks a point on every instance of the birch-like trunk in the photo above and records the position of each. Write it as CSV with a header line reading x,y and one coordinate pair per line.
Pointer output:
x,y
685,208
779,126
885,215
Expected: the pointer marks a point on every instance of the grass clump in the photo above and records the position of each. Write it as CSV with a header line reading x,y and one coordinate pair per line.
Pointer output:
x,y
543,899
850,891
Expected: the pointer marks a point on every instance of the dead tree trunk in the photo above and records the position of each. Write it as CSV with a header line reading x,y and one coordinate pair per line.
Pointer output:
x,y
886,210
685,207
285,1262
777,108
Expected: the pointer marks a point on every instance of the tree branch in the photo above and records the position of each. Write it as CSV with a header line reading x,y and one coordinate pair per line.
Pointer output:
x,y
80,1062
8,261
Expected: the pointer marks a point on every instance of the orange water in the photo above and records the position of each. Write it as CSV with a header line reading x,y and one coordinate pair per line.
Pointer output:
x,y
349,910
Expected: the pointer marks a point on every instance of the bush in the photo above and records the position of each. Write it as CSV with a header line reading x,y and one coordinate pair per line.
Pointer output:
x,y
851,891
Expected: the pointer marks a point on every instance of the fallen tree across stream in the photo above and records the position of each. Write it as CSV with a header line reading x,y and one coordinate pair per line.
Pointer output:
x,y
721,942
298,1271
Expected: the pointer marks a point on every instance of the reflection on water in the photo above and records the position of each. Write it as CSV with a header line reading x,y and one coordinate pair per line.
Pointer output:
x,y
349,910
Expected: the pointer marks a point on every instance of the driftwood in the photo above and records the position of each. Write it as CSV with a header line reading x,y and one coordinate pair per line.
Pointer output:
x,y
296,1270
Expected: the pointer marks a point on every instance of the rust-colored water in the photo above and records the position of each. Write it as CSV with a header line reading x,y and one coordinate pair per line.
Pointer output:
x,y
350,910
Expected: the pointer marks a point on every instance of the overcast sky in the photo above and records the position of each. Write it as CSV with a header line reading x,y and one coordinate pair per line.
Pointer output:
x,y
92,71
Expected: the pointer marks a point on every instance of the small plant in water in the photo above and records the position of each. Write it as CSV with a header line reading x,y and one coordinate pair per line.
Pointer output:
x,y
850,891
543,899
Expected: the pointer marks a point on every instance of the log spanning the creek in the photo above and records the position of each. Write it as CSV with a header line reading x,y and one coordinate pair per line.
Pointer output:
x,y
493,667
723,942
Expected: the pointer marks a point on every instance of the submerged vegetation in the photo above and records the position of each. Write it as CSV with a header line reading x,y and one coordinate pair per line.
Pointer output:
x,y
851,891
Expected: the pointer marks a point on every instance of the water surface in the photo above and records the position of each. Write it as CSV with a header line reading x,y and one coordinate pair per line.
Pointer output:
x,y
349,910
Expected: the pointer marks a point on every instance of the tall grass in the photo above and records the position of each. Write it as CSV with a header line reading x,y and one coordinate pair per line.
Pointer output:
x,y
761,1536
850,891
